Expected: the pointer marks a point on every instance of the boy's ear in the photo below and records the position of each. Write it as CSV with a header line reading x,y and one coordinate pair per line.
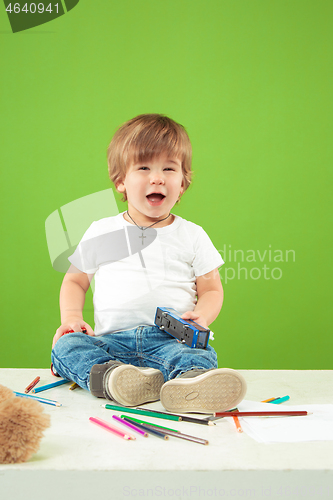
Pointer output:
x,y
120,186
182,187
181,192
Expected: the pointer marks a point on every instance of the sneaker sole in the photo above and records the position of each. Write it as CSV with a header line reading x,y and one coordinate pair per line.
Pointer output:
x,y
213,391
132,386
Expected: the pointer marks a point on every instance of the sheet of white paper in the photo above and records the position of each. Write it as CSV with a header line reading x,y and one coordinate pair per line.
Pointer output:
x,y
315,427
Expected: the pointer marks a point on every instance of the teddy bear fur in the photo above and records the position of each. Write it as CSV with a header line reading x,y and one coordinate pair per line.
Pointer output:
x,y
22,423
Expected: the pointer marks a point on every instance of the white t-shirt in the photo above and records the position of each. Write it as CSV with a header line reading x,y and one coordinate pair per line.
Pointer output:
x,y
137,271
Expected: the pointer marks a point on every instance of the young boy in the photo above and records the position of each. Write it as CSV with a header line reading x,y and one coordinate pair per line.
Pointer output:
x,y
142,259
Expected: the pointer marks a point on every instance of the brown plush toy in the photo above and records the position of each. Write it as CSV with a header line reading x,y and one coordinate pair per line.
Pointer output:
x,y
22,423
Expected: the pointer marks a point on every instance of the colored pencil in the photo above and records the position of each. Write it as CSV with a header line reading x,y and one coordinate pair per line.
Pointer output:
x,y
50,386
36,398
174,433
268,400
187,437
143,422
142,412
111,428
73,386
261,414
182,417
211,418
155,411
150,430
131,426
237,423
32,385
277,401
194,420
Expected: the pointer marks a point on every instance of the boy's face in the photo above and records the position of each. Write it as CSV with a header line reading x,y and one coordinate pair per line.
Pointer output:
x,y
152,188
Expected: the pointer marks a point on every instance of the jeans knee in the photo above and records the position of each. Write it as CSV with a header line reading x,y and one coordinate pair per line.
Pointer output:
x,y
67,342
206,359
213,358
188,359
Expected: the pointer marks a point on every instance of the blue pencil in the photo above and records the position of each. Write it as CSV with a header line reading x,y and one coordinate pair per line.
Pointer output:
x,y
147,429
50,386
277,401
36,398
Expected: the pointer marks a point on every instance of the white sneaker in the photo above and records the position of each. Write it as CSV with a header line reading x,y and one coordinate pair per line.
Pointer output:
x,y
202,391
132,386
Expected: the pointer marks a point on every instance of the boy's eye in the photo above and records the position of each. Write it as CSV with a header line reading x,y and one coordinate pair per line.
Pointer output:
x,y
169,168
143,167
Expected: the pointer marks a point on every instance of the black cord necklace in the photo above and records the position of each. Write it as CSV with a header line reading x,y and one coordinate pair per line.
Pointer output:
x,y
143,228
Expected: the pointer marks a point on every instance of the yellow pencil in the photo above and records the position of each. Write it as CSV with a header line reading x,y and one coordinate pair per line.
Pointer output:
x,y
73,386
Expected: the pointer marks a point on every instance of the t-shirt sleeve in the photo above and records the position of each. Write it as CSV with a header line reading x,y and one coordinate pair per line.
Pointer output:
x,y
85,256
207,258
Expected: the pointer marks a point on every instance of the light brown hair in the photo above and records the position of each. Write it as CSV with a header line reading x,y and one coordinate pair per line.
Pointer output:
x,y
146,137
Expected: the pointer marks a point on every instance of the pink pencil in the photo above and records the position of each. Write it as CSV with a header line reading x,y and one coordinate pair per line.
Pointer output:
x,y
111,428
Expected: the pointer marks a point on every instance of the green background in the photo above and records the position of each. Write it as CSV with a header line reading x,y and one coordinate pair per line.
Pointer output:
x,y
251,81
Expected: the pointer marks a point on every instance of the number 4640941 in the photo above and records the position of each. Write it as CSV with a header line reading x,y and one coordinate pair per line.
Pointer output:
x,y
32,8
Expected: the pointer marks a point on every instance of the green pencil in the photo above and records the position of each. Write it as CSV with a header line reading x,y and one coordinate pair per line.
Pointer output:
x,y
165,430
141,412
150,430
143,422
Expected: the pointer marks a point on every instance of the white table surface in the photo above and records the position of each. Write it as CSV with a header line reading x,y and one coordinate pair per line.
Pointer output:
x,y
79,456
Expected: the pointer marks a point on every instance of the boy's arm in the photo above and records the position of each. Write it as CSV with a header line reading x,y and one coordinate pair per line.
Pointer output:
x,y
72,297
210,299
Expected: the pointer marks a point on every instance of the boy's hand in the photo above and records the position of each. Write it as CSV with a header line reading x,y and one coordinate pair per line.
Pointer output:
x,y
75,325
197,317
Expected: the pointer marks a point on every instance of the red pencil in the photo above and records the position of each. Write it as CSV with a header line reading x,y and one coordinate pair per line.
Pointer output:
x,y
260,413
32,385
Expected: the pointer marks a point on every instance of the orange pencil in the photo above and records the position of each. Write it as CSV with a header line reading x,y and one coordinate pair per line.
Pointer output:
x,y
238,425
32,385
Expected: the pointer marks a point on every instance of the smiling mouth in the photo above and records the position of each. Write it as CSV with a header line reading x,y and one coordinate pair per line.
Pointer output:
x,y
155,197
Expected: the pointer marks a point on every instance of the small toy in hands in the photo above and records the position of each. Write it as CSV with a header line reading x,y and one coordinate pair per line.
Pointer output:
x,y
186,331
22,423
83,330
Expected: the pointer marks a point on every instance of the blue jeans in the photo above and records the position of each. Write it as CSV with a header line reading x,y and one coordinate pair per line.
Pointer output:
x,y
74,354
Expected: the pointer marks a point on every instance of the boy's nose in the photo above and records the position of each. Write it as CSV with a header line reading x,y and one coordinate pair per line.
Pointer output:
x,y
157,179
